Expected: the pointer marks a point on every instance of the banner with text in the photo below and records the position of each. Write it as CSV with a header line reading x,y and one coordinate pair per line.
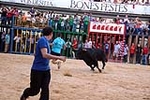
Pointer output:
x,y
109,7
88,5
107,28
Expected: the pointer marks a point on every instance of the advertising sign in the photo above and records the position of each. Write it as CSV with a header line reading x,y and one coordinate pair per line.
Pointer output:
x,y
97,27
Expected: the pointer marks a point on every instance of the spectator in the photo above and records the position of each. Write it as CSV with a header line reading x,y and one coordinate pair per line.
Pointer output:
x,y
17,40
32,12
132,52
28,18
90,44
86,44
94,44
51,22
74,46
3,41
3,15
138,54
68,48
121,51
126,49
62,25
106,48
75,22
116,51
71,22
24,19
138,26
7,42
32,43
145,55
86,22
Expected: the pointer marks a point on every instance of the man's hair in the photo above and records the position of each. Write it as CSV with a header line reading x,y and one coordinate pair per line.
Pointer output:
x,y
47,31
59,35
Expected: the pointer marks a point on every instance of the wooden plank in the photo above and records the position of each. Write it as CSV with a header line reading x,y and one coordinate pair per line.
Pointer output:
x,y
129,45
149,43
136,42
15,41
30,41
142,41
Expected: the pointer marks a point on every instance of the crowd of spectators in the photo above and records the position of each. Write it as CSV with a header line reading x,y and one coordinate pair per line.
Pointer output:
x,y
74,23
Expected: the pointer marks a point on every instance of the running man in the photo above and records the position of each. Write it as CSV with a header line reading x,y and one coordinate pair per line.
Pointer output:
x,y
40,72
57,45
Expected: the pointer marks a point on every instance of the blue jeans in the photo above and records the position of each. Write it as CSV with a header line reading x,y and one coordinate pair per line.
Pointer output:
x,y
74,27
144,59
4,19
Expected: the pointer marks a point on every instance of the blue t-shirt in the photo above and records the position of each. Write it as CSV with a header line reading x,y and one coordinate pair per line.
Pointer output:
x,y
40,63
7,39
58,44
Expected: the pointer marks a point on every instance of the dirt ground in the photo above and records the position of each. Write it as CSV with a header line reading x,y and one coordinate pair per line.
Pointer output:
x,y
75,80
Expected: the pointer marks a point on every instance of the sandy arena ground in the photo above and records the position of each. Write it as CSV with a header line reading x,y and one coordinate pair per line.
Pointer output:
x,y
75,81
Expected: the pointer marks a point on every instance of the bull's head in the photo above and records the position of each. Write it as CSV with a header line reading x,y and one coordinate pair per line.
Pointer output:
x,y
80,53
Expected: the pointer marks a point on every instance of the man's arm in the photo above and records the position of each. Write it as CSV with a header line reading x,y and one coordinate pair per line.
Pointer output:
x,y
49,56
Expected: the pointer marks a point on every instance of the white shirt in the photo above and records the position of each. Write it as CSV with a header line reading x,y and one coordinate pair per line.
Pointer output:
x,y
28,17
90,44
126,50
116,48
86,45
17,39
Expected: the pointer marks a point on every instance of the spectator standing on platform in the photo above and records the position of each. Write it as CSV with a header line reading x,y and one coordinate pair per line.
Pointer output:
x,y
4,15
71,22
86,22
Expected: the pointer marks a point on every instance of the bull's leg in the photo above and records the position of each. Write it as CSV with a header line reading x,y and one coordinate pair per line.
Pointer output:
x,y
96,64
92,68
103,62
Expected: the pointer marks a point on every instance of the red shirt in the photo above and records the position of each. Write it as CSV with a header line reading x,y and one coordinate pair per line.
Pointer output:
x,y
75,44
145,50
132,50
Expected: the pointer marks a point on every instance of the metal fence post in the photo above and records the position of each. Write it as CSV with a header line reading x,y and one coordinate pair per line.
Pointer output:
x,y
11,42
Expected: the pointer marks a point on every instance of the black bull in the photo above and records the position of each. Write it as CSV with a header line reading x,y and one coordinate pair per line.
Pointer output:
x,y
91,57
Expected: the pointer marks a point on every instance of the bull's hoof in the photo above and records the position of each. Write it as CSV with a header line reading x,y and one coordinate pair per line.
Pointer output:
x,y
100,71
92,69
